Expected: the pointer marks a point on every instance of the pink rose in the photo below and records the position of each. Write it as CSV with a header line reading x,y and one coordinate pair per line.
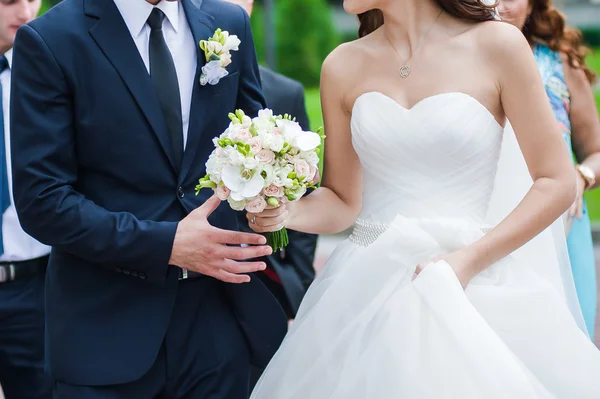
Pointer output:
x,y
256,205
265,156
255,144
222,192
302,168
315,176
273,191
245,136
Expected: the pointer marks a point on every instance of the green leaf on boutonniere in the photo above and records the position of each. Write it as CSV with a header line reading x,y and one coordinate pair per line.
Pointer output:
x,y
214,57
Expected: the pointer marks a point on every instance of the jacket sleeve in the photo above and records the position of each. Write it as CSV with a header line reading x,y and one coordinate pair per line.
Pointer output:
x,y
45,171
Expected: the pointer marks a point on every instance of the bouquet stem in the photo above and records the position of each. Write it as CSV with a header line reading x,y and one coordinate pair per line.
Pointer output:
x,y
278,240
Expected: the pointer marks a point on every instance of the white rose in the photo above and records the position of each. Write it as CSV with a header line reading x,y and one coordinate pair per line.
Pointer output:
x,y
276,143
237,205
251,163
266,114
311,157
234,156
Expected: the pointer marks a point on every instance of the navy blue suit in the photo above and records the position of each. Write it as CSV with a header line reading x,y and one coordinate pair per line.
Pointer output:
x,y
95,179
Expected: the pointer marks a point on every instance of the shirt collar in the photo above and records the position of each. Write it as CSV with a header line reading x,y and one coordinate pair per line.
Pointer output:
x,y
135,13
8,56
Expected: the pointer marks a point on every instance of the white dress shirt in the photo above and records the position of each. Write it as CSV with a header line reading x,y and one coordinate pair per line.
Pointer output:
x,y
18,245
179,38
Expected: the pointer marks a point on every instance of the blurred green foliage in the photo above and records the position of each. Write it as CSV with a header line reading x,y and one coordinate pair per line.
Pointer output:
x,y
304,35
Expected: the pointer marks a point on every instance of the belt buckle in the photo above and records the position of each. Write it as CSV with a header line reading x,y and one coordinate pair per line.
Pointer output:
x,y
184,274
7,273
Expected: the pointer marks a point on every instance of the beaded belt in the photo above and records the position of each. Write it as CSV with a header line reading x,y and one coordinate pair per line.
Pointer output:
x,y
365,233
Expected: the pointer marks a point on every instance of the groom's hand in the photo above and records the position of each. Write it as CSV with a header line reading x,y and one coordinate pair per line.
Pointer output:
x,y
202,248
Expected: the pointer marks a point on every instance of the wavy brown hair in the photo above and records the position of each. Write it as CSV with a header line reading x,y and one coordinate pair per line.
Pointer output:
x,y
470,10
548,25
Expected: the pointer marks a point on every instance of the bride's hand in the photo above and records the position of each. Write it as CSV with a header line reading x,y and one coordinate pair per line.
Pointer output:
x,y
271,219
460,261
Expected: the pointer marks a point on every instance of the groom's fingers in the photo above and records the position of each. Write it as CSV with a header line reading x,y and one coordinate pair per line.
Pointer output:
x,y
209,206
236,272
231,266
231,278
237,238
239,253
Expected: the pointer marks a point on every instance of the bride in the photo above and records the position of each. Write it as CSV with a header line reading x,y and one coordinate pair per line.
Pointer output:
x,y
453,283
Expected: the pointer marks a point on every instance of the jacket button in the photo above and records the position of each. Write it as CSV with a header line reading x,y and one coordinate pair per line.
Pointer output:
x,y
126,272
142,276
118,270
180,192
134,273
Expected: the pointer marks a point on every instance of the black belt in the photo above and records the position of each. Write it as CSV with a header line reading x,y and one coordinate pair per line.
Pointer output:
x,y
11,271
188,275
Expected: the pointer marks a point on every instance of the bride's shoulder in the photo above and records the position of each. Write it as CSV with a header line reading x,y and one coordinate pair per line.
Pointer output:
x,y
347,60
500,41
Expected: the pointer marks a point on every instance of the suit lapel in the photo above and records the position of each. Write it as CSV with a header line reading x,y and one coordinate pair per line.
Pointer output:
x,y
114,39
202,27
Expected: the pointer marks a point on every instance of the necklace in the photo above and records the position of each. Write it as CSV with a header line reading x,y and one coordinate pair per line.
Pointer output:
x,y
405,68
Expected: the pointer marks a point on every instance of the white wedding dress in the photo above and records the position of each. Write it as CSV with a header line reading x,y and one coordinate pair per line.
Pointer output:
x,y
367,331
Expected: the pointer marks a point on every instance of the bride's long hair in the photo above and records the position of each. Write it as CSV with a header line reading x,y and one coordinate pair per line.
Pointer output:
x,y
471,10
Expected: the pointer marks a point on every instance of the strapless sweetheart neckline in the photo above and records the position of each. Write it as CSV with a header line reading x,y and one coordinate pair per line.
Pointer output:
x,y
425,100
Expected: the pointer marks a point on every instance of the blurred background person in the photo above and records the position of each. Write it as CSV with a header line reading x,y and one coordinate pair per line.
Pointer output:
x,y
23,260
289,272
560,57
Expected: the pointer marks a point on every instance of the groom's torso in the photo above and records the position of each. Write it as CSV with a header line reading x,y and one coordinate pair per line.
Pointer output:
x,y
125,164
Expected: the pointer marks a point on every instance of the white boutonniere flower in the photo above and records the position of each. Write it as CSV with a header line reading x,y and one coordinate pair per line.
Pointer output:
x,y
217,50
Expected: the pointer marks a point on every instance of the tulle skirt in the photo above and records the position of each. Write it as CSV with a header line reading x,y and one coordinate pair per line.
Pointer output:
x,y
367,330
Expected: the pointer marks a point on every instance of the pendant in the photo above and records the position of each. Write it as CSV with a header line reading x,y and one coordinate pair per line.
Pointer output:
x,y
404,71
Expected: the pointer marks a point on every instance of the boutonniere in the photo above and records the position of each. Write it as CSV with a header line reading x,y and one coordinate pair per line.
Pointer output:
x,y
217,50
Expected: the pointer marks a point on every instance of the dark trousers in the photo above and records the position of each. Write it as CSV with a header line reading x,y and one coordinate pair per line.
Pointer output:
x,y
22,373
203,356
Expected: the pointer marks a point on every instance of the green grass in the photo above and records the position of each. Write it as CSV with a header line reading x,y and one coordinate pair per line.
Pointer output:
x,y
313,105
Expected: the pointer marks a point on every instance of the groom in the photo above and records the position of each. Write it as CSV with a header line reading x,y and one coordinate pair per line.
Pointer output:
x,y
146,297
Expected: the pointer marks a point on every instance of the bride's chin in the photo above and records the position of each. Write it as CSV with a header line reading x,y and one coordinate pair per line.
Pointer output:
x,y
356,7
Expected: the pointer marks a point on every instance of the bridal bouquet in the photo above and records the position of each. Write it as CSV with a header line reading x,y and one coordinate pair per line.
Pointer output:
x,y
267,160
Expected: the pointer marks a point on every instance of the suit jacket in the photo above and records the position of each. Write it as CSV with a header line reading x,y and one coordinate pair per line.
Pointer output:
x,y
294,265
95,179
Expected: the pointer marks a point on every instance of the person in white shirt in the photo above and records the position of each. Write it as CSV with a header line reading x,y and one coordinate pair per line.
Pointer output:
x,y
23,259
150,292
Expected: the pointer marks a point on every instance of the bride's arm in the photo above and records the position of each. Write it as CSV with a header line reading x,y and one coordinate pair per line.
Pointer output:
x,y
527,107
335,205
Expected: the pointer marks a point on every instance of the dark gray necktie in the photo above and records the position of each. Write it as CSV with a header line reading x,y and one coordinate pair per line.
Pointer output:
x,y
4,194
164,79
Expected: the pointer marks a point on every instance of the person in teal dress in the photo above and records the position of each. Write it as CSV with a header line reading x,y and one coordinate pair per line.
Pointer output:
x,y
560,57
